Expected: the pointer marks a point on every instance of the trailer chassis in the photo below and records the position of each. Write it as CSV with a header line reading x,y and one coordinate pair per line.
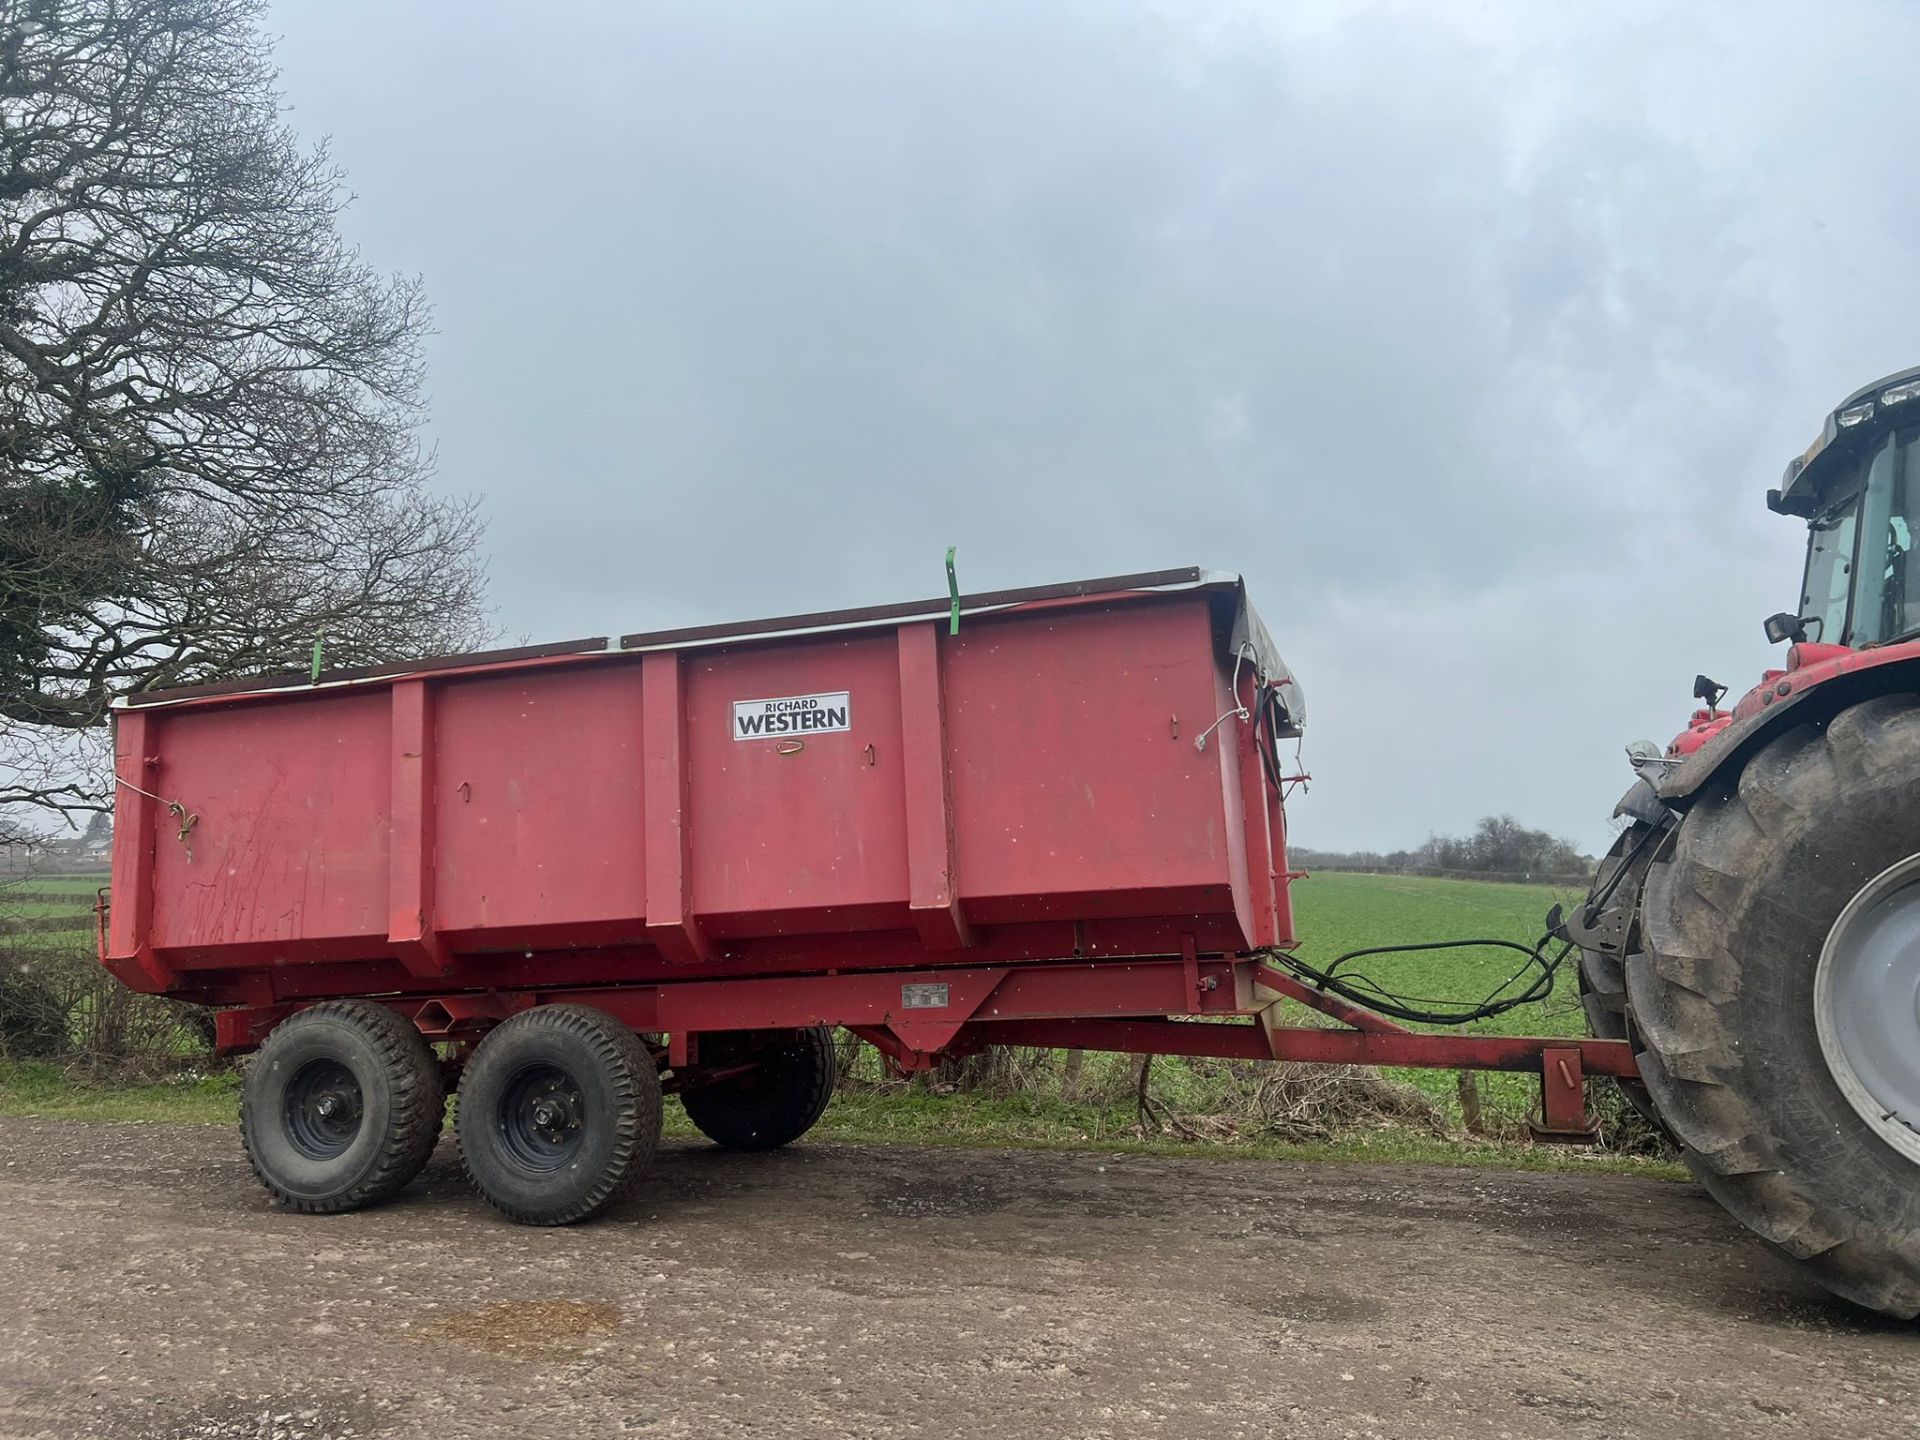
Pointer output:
x,y
1213,1006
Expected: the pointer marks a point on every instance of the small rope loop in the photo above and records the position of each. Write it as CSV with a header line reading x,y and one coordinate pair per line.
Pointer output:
x,y
186,817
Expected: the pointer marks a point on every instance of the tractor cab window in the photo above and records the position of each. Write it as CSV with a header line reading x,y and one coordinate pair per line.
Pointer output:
x,y
1823,603
1886,601
1863,550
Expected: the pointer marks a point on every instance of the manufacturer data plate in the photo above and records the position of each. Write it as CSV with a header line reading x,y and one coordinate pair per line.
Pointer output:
x,y
923,997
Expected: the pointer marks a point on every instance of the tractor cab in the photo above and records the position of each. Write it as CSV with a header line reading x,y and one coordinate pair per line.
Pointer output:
x,y
1858,487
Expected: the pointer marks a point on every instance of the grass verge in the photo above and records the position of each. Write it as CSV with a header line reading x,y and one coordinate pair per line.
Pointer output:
x,y
891,1117
910,1117
52,1092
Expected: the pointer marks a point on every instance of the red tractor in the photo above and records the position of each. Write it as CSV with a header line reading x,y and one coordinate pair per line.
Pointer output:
x,y
1755,932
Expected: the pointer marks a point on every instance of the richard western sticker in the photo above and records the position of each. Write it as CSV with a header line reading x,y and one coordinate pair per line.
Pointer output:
x,y
791,715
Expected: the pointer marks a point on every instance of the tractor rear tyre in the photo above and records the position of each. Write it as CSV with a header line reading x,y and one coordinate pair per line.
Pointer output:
x,y
341,1107
559,1114
1603,972
773,1104
1775,998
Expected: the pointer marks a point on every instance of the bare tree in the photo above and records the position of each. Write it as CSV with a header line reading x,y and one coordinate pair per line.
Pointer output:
x,y
1502,845
208,402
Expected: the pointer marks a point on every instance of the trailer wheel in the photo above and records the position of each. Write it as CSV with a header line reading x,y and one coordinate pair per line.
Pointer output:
x,y
775,1103
1776,998
341,1107
559,1114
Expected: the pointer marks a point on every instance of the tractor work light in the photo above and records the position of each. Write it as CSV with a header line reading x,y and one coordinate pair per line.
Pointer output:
x,y
1854,415
1900,394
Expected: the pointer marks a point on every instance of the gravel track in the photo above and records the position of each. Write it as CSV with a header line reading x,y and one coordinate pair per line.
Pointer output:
x,y
149,1292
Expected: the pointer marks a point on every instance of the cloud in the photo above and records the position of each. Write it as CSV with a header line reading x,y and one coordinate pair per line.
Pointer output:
x,y
1473,337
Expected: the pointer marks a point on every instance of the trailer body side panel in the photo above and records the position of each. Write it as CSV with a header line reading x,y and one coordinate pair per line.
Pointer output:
x,y
1073,776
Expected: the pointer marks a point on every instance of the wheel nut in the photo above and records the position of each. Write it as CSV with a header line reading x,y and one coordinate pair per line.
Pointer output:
x,y
327,1106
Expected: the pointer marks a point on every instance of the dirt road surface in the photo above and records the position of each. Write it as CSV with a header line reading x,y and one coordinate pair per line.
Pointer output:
x,y
149,1292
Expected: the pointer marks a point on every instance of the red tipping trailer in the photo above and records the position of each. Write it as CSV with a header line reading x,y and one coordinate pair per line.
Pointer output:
x,y
1032,817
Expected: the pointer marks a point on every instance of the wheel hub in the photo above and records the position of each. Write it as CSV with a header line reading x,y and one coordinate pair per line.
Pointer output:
x,y
1866,997
541,1117
324,1108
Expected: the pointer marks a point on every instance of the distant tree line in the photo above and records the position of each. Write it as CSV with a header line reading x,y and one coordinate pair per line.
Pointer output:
x,y
1498,846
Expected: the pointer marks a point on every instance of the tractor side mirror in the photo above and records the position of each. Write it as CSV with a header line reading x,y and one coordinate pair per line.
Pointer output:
x,y
1785,626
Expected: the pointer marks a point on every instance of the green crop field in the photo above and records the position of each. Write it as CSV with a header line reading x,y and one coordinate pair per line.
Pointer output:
x,y
32,909
78,885
38,905
37,897
1335,913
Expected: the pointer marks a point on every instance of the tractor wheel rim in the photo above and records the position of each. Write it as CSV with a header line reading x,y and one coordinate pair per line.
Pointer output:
x,y
1866,1004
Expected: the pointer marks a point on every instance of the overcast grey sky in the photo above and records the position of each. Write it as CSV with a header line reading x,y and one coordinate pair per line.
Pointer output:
x,y
1472,335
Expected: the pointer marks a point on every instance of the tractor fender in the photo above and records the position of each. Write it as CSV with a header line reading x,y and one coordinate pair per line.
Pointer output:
x,y
1813,693
1642,803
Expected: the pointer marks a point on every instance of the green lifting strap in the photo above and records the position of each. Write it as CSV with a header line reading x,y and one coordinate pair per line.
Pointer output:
x,y
319,643
953,589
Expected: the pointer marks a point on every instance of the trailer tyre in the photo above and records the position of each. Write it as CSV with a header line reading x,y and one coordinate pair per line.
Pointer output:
x,y
341,1107
774,1104
559,1114
1739,921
